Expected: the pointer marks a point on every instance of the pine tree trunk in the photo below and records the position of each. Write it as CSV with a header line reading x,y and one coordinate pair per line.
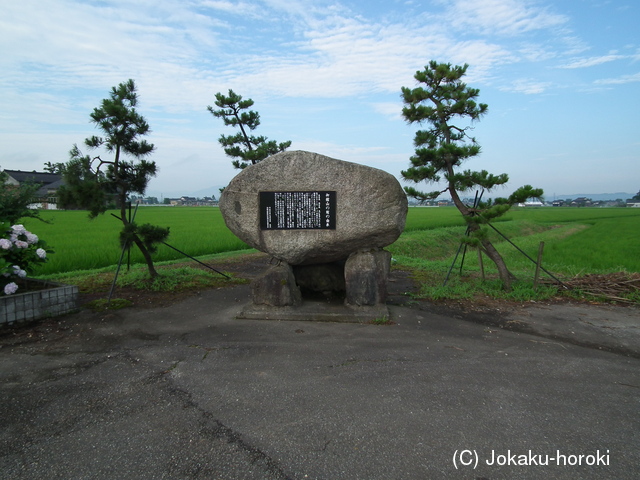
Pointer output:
x,y
487,246
494,255
503,271
145,252
147,257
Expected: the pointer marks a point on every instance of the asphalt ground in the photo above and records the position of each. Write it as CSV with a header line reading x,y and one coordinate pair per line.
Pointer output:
x,y
190,392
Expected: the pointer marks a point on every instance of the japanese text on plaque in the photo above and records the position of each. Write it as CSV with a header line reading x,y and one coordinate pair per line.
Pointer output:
x,y
298,210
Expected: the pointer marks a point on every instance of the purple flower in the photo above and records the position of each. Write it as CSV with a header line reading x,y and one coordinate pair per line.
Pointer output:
x,y
19,272
19,229
31,238
5,244
10,288
21,244
41,253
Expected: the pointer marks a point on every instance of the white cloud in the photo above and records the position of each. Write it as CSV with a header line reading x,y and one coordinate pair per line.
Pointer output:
x,y
392,110
336,68
534,52
526,86
502,17
342,57
378,157
592,61
619,80
180,54
87,45
235,8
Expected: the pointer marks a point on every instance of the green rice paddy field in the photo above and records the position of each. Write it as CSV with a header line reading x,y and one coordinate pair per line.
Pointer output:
x,y
577,240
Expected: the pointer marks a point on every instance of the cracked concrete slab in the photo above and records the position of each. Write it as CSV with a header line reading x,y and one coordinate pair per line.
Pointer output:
x,y
190,392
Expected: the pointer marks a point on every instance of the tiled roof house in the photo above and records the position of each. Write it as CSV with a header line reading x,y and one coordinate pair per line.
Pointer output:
x,y
49,183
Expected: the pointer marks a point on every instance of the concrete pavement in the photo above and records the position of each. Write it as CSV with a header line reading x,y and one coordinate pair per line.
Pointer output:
x,y
189,392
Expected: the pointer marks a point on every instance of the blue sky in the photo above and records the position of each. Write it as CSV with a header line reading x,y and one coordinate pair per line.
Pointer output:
x,y
561,78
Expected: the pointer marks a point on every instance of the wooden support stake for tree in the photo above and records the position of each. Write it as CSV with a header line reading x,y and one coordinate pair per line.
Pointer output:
x,y
481,264
538,263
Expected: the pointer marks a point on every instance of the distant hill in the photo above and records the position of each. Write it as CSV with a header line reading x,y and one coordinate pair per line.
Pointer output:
x,y
592,196
212,191
205,192
550,198
215,190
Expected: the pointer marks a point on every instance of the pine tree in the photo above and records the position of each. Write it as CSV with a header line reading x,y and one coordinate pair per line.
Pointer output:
x,y
441,150
245,148
93,182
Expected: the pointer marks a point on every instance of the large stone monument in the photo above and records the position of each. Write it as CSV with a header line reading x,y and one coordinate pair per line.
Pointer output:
x,y
325,223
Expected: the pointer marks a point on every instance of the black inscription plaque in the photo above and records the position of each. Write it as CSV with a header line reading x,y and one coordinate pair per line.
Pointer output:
x,y
298,210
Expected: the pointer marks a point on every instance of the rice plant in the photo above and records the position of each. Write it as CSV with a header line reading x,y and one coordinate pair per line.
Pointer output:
x,y
83,244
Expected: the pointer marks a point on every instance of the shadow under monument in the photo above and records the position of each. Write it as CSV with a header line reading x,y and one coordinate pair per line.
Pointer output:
x,y
352,290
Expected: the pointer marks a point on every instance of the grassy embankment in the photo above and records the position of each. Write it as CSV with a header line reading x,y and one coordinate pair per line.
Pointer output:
x,y
578,241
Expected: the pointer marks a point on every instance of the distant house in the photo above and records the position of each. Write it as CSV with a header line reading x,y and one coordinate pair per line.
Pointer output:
x,y
48,183
188,200
634,202
193,201
581,202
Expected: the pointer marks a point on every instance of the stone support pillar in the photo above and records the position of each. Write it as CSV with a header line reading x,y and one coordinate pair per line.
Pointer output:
x,y
365,275
276,287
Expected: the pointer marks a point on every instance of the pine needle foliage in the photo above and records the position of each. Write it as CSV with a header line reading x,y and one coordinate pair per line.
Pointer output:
x,y
245,148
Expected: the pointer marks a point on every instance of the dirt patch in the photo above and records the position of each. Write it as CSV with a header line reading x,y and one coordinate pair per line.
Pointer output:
x,y
244,266
403,288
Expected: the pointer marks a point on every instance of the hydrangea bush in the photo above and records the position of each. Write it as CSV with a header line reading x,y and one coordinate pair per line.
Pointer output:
x,y
20,252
